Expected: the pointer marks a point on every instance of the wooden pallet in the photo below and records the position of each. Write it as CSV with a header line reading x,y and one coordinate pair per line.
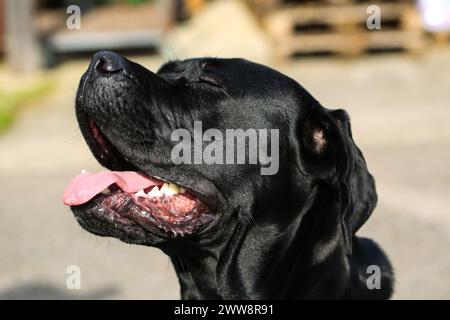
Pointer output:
x,y
339,2
341,28
441,39
261,7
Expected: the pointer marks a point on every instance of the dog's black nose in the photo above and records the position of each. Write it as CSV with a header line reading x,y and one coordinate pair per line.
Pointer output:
x,y
108,62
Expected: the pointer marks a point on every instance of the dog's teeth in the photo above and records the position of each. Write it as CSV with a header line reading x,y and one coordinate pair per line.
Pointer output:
x,y
83,171
165,189
174,188
106,191
155,192
141,194
169,189
182,190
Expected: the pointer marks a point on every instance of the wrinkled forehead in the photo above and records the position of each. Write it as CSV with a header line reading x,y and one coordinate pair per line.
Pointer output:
x,y
240,77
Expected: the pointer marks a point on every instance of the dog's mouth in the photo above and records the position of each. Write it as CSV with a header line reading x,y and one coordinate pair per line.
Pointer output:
x,y
132,198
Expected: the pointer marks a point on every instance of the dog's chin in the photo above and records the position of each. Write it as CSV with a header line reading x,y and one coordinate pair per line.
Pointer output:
x,y
137,220
92,218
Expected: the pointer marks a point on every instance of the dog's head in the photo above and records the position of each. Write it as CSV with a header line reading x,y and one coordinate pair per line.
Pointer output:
x,y
133,121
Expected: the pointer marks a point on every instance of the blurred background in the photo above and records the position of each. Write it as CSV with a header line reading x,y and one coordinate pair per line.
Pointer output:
x,y
392,78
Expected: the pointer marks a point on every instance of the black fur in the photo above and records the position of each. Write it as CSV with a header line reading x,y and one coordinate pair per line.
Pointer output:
x,y
284,236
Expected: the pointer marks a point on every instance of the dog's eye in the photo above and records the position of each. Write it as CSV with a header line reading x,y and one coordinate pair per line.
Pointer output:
x,y
210,81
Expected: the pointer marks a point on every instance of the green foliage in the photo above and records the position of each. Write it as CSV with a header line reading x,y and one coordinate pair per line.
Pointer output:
x,y
12,101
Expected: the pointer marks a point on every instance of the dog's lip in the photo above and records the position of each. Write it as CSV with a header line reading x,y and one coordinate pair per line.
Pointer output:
x,y
91,209
135,212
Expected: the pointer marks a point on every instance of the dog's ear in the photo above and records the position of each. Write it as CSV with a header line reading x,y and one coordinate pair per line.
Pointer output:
x,y
329,153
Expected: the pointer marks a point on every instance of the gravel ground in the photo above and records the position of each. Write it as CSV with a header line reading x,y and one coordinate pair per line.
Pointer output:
x,y
399,106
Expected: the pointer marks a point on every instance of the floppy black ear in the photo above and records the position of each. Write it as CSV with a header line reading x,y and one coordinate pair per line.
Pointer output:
x,y
329,153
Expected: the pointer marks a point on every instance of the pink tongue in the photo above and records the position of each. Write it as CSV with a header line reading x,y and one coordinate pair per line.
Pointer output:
x,y
87,185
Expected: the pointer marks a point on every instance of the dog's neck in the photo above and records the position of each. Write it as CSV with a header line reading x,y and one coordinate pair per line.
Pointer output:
x,y
197,275
257,262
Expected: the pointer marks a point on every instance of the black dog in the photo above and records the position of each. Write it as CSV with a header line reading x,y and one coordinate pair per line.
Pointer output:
x,y
231,232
